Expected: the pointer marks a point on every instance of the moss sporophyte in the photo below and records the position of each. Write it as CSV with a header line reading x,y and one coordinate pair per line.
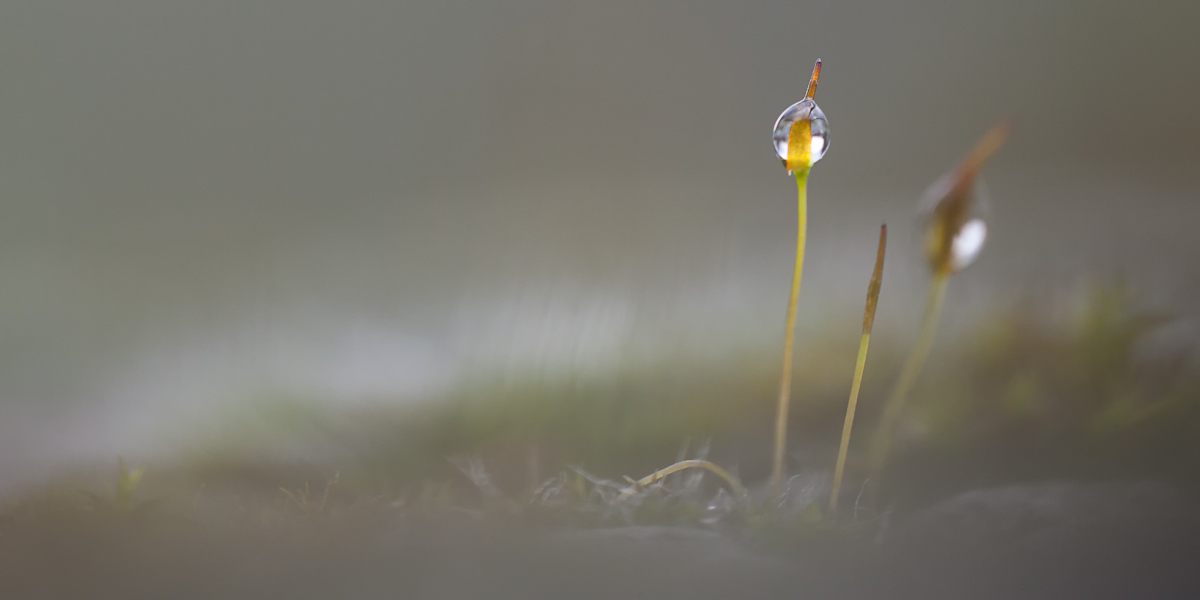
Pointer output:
x,y
954,236
801,138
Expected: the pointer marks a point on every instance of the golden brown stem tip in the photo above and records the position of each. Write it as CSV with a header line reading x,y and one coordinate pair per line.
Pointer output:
x,y
876,282
812,82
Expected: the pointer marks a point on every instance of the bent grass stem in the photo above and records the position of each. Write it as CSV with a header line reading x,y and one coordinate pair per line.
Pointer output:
x,y
735,486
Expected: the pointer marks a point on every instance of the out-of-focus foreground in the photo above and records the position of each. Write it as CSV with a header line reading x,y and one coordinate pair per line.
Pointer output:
x,y
388,300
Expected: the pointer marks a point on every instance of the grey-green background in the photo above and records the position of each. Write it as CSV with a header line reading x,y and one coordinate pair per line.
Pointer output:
x,y
204,203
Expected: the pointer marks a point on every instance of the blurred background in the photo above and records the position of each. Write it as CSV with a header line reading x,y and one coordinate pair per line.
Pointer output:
x,y
210,209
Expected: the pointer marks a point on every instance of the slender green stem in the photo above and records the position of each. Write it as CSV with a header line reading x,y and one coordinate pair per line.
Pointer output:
x,y
912,368
849,424
735,486
785,383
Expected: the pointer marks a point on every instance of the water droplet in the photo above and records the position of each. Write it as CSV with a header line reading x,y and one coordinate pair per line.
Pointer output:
x,y
967,244
962,210
802,110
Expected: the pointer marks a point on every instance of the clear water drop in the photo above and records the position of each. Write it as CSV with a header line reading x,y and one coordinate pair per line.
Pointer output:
x,y
936,204
804,109
967,244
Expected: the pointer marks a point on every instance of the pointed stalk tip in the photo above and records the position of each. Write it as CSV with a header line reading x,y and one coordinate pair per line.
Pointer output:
x,y
876,282
812,81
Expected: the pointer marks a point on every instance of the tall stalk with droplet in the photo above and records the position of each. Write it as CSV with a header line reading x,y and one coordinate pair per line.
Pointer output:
x,y
859,366
801,137
953,240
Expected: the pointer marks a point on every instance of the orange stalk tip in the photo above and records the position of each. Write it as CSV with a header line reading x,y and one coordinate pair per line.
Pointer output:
x,y
988,145
812,81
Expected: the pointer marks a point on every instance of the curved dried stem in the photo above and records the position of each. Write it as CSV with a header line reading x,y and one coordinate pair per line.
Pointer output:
x,y
735,486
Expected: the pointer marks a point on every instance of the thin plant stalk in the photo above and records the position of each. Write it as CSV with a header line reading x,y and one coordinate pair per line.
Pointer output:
x,y
735,486
785,382
859,366
950,216
799,159
912,369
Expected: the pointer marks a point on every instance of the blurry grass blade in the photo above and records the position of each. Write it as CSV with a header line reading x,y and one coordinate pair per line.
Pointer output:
x,y
476,472
894,408
127,482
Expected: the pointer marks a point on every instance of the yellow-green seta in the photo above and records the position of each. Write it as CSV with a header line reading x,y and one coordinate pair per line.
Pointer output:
x,y
954,237
801,138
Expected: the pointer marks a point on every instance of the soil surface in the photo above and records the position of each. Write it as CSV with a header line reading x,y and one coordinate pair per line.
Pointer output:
x,y
1046,540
